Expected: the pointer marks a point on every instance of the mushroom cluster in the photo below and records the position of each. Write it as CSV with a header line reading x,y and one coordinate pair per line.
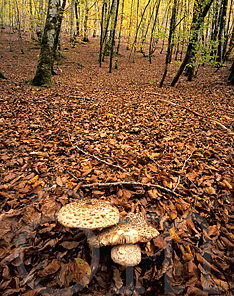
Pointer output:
x,y
124,235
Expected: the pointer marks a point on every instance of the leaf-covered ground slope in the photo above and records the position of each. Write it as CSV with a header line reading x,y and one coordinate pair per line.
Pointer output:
x,y
167,153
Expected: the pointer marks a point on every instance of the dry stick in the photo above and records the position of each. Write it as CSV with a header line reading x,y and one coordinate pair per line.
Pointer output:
x,y
129,183
194,112
195,186
183,169
97,158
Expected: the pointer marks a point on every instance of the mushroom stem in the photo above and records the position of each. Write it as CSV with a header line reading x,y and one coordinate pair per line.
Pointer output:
x,y
129,275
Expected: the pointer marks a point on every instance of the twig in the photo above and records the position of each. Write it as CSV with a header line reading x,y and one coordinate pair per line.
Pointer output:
x,y
183,169
91,155
181,175
194,112
165,149
129,183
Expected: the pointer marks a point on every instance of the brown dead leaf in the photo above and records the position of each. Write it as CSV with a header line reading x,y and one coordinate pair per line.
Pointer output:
x,y
209,190
81,271
69,244
50,269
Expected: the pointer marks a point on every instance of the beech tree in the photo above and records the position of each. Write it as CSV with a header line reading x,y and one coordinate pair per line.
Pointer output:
x,y
199,13
49,44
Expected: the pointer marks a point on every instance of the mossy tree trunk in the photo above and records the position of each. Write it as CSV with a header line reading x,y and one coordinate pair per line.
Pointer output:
x,y
46,57
199,13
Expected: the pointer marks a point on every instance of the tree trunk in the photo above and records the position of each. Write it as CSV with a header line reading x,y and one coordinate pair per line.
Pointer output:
x,y
86,38
19,28
151,49
231,76
46,57
57,48
72,16
199,13
130,26
31,20
119,38
39,27
222,29
169,48
77,11
113,36
227,33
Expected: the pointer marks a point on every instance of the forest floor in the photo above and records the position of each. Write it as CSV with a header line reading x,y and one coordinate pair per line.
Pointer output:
x,y
166,152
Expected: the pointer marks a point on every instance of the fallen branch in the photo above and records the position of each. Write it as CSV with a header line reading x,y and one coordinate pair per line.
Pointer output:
x,y
93,185
91,155
194,112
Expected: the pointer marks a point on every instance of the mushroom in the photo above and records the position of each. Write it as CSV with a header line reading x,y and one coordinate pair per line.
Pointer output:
x,y
131,230
126,255
88,214
97,214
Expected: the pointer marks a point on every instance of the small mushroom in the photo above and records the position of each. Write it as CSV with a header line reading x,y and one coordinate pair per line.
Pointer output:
x,y
126,255
133,229
88,214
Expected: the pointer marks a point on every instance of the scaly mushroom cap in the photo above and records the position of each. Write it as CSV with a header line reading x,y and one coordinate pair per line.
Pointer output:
x,y
88,214
127,255
131,230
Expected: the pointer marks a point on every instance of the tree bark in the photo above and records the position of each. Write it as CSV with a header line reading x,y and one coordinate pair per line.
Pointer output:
x,y
169,48
86,38
48,46
199,13
222,29
77,11
113,35
72,33
39,29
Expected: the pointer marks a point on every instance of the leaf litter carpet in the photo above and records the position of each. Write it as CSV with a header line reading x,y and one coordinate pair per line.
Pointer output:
x,y
167,153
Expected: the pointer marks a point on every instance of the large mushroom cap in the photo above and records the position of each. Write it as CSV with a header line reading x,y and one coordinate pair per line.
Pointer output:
x,y
127,255
131,230
88,214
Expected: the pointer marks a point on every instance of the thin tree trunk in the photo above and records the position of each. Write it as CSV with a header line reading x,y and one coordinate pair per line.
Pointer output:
x,y
227,32
19,28
57,48
77,12
120,29
138,27
86,38
102,32
215,26
222,29
151,50
169,48
11,24
113,36
72,16
40,21
31,21
200,12
166,23
130,26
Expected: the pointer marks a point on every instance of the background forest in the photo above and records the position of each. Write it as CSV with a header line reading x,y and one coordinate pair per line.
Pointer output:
x,y
128,102
193,33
